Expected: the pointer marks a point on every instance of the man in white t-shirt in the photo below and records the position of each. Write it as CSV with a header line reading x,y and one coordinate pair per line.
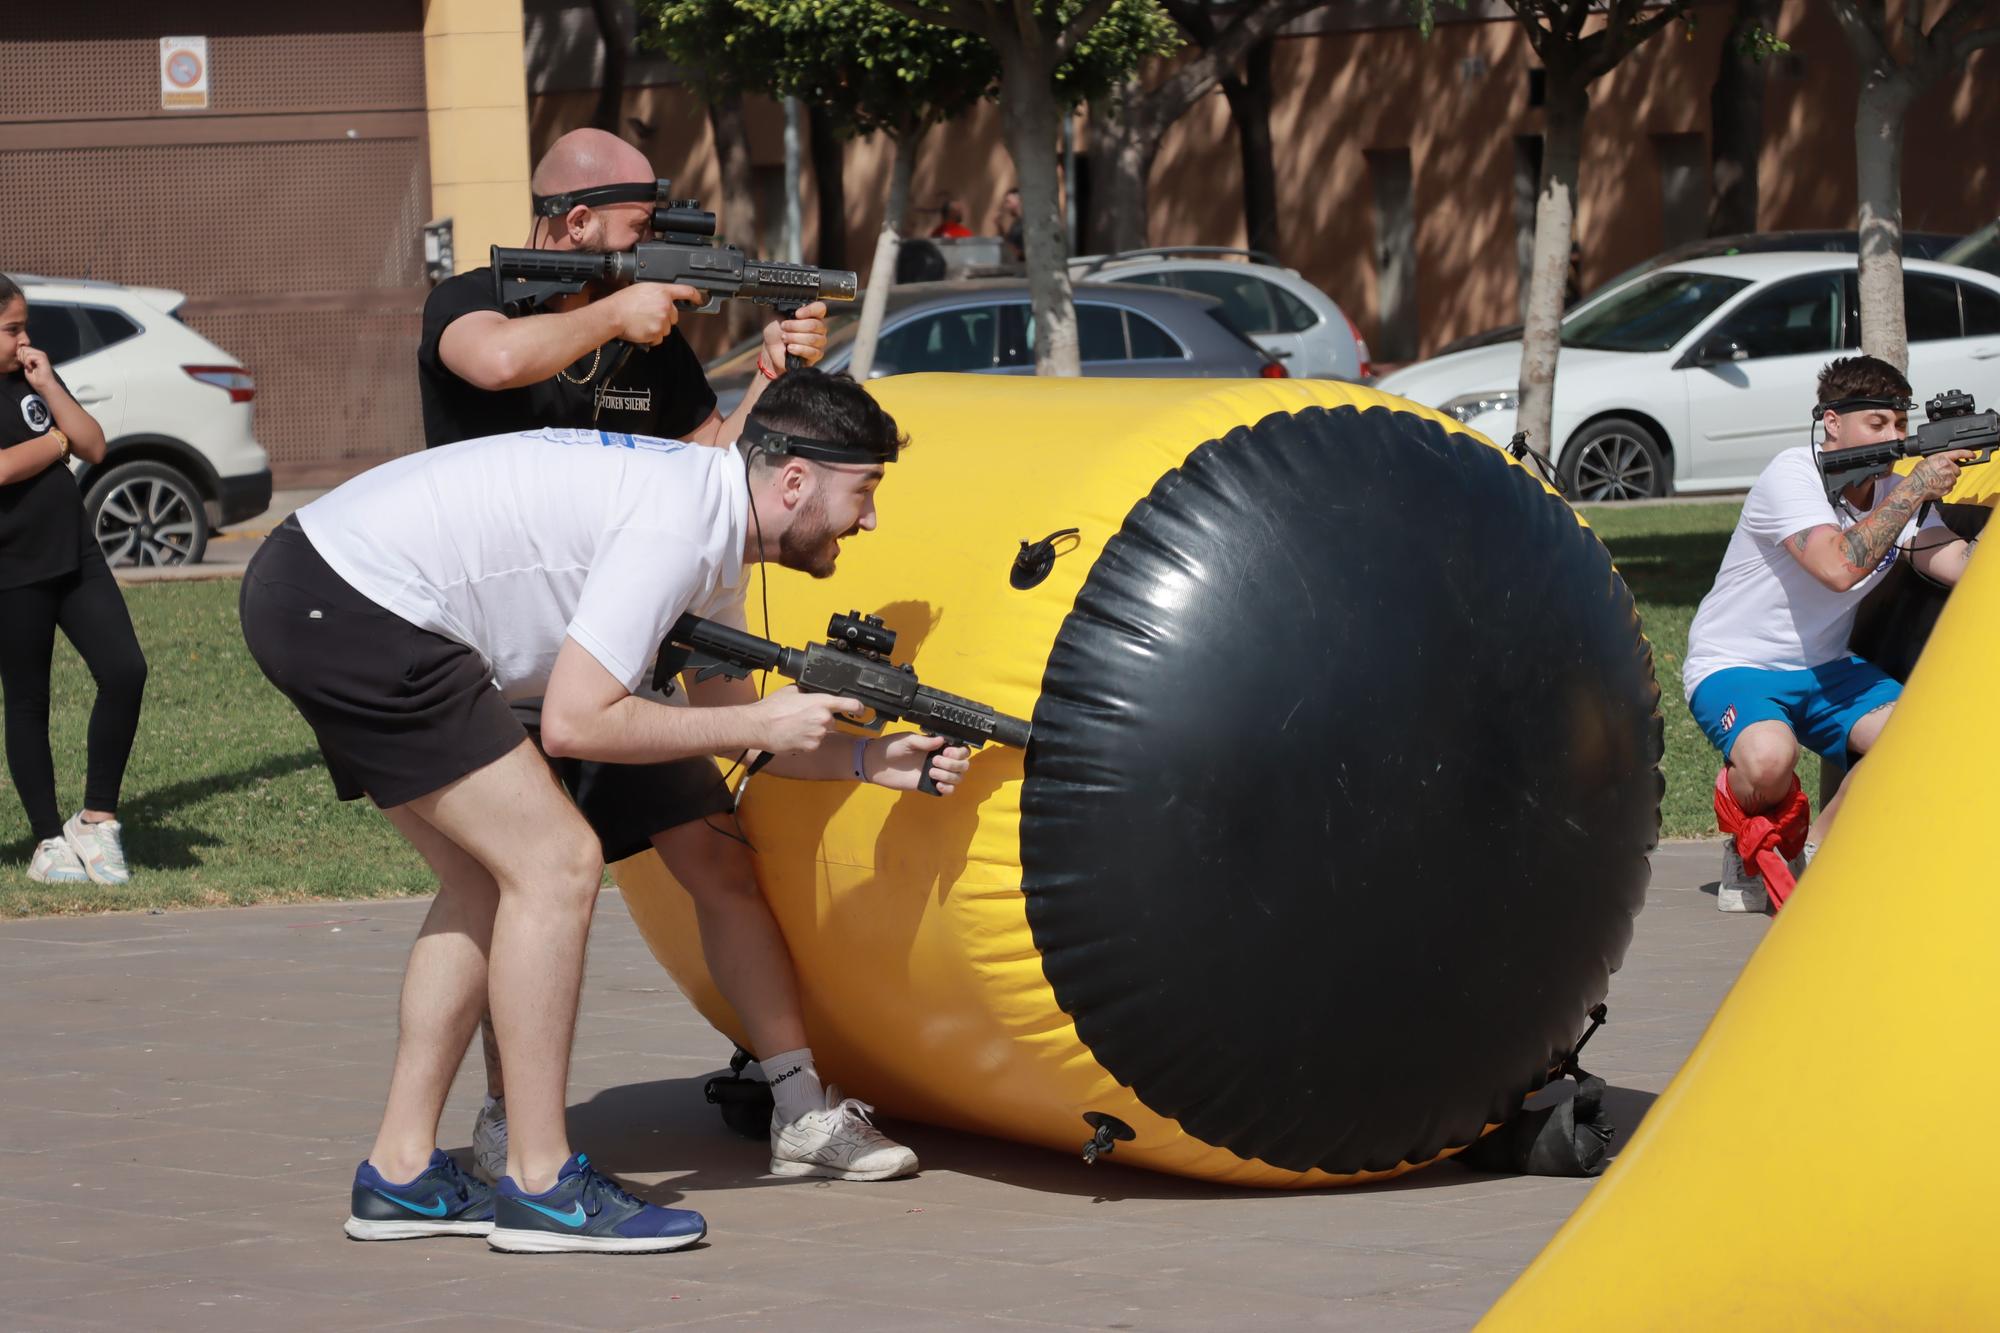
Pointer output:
x,y
401,611
1767,662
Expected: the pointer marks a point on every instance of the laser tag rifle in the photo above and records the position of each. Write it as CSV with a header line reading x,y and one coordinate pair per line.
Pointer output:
x,y
1952,424
854,663
687,251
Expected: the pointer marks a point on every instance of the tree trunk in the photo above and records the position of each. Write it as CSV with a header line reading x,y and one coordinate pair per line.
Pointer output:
x,y
611,88
1122,148
1878,155
1555,220
1250,106
830,174
882,276
739,202
1736,120
1028,114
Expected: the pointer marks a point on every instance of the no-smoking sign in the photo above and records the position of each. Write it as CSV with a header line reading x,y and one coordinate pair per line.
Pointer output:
x,y
183,73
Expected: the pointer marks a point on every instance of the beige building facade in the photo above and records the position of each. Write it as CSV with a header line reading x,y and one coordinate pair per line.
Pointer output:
x,y
292,205
1402,161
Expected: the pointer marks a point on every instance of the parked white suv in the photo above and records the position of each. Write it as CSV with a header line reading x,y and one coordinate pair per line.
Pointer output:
x,y
1281,312
181,460
1695,376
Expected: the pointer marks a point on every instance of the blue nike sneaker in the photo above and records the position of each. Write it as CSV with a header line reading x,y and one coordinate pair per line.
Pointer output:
x,y
441,1201
586,1211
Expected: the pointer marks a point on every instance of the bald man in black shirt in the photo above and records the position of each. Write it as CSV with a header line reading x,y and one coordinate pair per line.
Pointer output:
x,y
619,363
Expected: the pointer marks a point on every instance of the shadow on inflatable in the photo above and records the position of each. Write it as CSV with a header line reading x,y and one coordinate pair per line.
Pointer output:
x,y
662,1127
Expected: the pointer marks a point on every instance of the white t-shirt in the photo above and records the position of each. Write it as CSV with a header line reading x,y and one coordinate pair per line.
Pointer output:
x,y
1766,609
511,543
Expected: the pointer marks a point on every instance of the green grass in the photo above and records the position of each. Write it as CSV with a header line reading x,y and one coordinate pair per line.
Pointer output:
x,y
226,800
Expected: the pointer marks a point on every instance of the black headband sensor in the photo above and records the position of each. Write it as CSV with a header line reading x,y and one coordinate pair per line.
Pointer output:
x,y
1861,403
783,444
656,192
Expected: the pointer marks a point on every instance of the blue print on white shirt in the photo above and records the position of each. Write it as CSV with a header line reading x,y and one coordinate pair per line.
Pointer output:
x,y
605,439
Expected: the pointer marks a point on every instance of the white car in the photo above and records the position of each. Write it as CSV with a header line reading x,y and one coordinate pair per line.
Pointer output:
x,y
1695,376
181,460
1283,313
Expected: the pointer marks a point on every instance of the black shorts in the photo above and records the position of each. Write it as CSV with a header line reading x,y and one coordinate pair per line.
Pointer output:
x,y
399,711
626,804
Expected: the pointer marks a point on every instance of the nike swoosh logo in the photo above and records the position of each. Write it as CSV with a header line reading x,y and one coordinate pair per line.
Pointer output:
x,y
435,1208
573,1218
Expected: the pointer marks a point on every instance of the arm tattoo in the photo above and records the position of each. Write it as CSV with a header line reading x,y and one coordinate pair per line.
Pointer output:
x,y
1796,544
1864,544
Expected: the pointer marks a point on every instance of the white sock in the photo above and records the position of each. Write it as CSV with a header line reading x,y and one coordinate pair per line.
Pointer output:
x,y
795,1088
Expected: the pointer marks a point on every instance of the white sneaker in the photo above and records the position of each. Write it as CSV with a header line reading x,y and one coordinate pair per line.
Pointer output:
x,y
101,848
489,1142
55,863
1739,891
839,1143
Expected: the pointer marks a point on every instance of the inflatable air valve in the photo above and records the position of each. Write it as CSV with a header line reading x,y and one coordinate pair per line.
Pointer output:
x,y
1108,1132
1037,559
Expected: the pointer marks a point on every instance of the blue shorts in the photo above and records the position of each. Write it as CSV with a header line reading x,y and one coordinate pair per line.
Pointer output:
x,y
1820,704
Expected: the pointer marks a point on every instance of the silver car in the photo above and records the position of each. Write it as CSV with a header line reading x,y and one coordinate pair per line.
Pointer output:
x,y
985,326
1286,315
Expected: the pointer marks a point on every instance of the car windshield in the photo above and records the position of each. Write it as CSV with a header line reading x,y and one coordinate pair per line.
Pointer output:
x,y
1981,250
1650,315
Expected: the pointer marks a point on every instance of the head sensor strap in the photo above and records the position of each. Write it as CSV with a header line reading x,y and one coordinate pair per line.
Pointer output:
x,y
770,441
1861,403
626,192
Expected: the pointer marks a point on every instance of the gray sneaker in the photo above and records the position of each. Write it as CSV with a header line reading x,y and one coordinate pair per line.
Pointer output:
x,y
838,1142
54,863
489,1142
1739,891
100,847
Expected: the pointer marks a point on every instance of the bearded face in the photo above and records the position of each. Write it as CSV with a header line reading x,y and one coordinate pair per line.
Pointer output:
x,y
810,545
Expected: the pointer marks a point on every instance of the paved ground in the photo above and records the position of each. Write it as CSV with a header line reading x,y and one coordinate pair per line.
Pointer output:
x,y
184,1098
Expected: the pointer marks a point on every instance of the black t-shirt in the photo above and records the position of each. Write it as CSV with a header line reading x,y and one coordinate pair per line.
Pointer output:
x,y
42,528
635,390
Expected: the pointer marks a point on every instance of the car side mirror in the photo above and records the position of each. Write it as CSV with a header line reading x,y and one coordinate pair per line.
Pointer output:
x,y
1717,349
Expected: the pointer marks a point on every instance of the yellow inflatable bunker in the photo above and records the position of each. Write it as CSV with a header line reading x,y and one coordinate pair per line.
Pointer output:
x,y
1335,819
1806,1168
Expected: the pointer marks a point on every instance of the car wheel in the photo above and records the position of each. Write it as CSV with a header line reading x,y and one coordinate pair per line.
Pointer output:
x,y
147,514
1615,459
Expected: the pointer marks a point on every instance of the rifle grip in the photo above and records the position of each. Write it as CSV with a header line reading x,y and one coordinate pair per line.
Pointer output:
x,y
924,783
793,363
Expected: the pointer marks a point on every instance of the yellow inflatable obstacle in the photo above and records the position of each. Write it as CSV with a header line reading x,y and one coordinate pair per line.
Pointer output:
x,y
1335,819
1818,1162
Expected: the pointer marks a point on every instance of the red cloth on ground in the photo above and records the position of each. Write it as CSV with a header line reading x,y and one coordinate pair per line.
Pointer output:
x,y
1766,841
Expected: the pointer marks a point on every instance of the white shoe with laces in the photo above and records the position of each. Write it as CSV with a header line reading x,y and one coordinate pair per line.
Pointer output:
x,y
100,847
489,1142
54,863
1739,891
838,1142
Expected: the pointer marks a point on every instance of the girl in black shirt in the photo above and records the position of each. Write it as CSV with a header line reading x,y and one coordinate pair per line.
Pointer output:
x,y
52,575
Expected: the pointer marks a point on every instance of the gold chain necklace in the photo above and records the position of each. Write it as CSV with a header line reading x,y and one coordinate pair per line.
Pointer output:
x,y
588,375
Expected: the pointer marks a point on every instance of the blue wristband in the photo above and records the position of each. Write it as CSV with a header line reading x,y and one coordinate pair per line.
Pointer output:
x,y
860,759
